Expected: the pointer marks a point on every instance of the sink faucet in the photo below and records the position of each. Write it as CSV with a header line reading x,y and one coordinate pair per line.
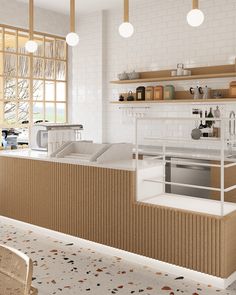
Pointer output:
x,y
232,132
232,119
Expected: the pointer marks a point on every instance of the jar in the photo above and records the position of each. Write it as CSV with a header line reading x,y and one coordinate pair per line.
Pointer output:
x,y
158,93
232,89
149,93
140,93
180,69
169,92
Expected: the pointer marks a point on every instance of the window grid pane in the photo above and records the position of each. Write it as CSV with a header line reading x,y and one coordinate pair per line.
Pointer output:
x,y
48,97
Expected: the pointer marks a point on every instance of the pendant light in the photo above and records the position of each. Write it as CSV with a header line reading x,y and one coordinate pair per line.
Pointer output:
x,y
72,38
31,46
195,17
126,29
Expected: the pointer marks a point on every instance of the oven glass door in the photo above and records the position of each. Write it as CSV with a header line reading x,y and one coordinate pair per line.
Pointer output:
x,y
188,174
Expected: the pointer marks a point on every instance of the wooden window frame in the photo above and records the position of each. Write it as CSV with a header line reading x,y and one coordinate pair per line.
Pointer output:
x,y
31,78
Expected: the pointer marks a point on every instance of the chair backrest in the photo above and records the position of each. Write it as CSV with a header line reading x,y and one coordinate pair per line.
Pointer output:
x,y
17,266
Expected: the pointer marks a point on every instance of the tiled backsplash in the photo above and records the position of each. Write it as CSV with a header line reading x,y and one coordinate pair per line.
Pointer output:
x,y
162,39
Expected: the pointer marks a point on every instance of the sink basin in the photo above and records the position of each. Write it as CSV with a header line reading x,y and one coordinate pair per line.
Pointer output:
x,y
231,157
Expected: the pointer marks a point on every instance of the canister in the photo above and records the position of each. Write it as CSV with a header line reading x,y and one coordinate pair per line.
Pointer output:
x,y
149,93
232,89
140,93
158,92
169,92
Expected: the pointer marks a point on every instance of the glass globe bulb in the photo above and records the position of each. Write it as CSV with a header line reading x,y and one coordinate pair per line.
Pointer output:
x,y
195,17
31,46
126,30
72,39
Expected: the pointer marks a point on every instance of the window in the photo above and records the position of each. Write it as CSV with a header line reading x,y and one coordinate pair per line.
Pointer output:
x,y
32,87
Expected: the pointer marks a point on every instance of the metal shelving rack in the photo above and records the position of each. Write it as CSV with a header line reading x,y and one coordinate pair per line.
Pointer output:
x,y
165,142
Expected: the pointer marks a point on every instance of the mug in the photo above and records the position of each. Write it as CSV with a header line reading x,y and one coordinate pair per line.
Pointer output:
x,y
196,92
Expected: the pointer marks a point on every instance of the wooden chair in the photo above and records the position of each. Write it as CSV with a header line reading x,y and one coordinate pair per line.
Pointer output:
x,y
16,271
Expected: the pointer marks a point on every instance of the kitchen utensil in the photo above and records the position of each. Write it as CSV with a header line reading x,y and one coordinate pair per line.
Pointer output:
x,y
196,92
123,76
130,96
158,93
169,92
140,93
149,93
121,98
196,134
206,92
232,89
133,75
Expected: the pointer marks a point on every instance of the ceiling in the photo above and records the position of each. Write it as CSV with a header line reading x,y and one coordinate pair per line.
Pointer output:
x,y
82,6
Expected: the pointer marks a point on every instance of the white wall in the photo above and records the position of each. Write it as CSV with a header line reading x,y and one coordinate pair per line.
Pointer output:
x,y
87,77
162,39
15,13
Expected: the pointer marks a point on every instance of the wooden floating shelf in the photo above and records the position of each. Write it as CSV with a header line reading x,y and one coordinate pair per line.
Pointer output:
x,y
180,78
210,100
211,72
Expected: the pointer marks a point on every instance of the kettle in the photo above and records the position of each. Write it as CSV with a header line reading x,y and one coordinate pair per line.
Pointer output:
x,y
196,92
130,96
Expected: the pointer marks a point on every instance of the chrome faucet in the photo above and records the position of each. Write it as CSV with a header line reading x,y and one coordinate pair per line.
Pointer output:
x,y
232,132
232,119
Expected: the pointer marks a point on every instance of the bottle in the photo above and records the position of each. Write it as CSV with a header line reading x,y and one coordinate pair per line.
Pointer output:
x,y
210,116
204,132
216,127
201,126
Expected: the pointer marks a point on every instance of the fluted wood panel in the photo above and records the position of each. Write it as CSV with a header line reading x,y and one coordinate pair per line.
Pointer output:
x,y
99,205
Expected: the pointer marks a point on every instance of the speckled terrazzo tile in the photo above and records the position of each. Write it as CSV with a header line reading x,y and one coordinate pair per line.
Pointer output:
x,y
66,269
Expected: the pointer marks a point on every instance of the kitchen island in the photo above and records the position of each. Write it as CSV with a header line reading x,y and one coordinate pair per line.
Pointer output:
x,y
97,202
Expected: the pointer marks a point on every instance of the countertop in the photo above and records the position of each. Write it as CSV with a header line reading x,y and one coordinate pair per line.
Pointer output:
x,y
205,154
129,165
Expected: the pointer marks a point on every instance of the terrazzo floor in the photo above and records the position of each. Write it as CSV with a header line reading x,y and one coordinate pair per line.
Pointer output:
x,y
63,268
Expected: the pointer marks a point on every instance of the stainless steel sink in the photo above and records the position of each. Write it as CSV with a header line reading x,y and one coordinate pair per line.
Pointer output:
x,y
231,157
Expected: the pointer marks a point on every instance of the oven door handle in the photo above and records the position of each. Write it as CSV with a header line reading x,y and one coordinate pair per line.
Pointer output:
x,y
192,167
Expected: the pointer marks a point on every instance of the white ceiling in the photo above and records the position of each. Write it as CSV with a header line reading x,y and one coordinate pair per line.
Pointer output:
x,y
82,6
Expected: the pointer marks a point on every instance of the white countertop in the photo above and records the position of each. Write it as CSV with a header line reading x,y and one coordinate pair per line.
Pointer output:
x,y
206,206
194,153
29,154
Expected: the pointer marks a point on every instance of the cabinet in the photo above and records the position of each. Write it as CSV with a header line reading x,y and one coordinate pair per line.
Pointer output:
x,y
230,177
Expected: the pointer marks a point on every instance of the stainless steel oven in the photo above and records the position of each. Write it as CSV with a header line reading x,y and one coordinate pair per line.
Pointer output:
x,y
188,174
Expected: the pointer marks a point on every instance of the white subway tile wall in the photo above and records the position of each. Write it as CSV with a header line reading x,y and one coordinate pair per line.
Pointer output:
x,y
162,39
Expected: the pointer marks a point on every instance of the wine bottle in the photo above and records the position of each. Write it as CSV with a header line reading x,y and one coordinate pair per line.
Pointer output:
x,y
210,116
201,126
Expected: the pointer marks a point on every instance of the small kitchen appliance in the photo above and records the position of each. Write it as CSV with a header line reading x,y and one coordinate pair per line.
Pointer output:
x,y
39,135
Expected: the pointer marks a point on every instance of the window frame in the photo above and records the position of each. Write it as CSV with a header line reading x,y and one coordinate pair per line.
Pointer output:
x,y
30,77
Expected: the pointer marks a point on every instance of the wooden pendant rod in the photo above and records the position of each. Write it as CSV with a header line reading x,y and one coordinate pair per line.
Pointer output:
x,y
72,15
126,11
31,19
195,4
